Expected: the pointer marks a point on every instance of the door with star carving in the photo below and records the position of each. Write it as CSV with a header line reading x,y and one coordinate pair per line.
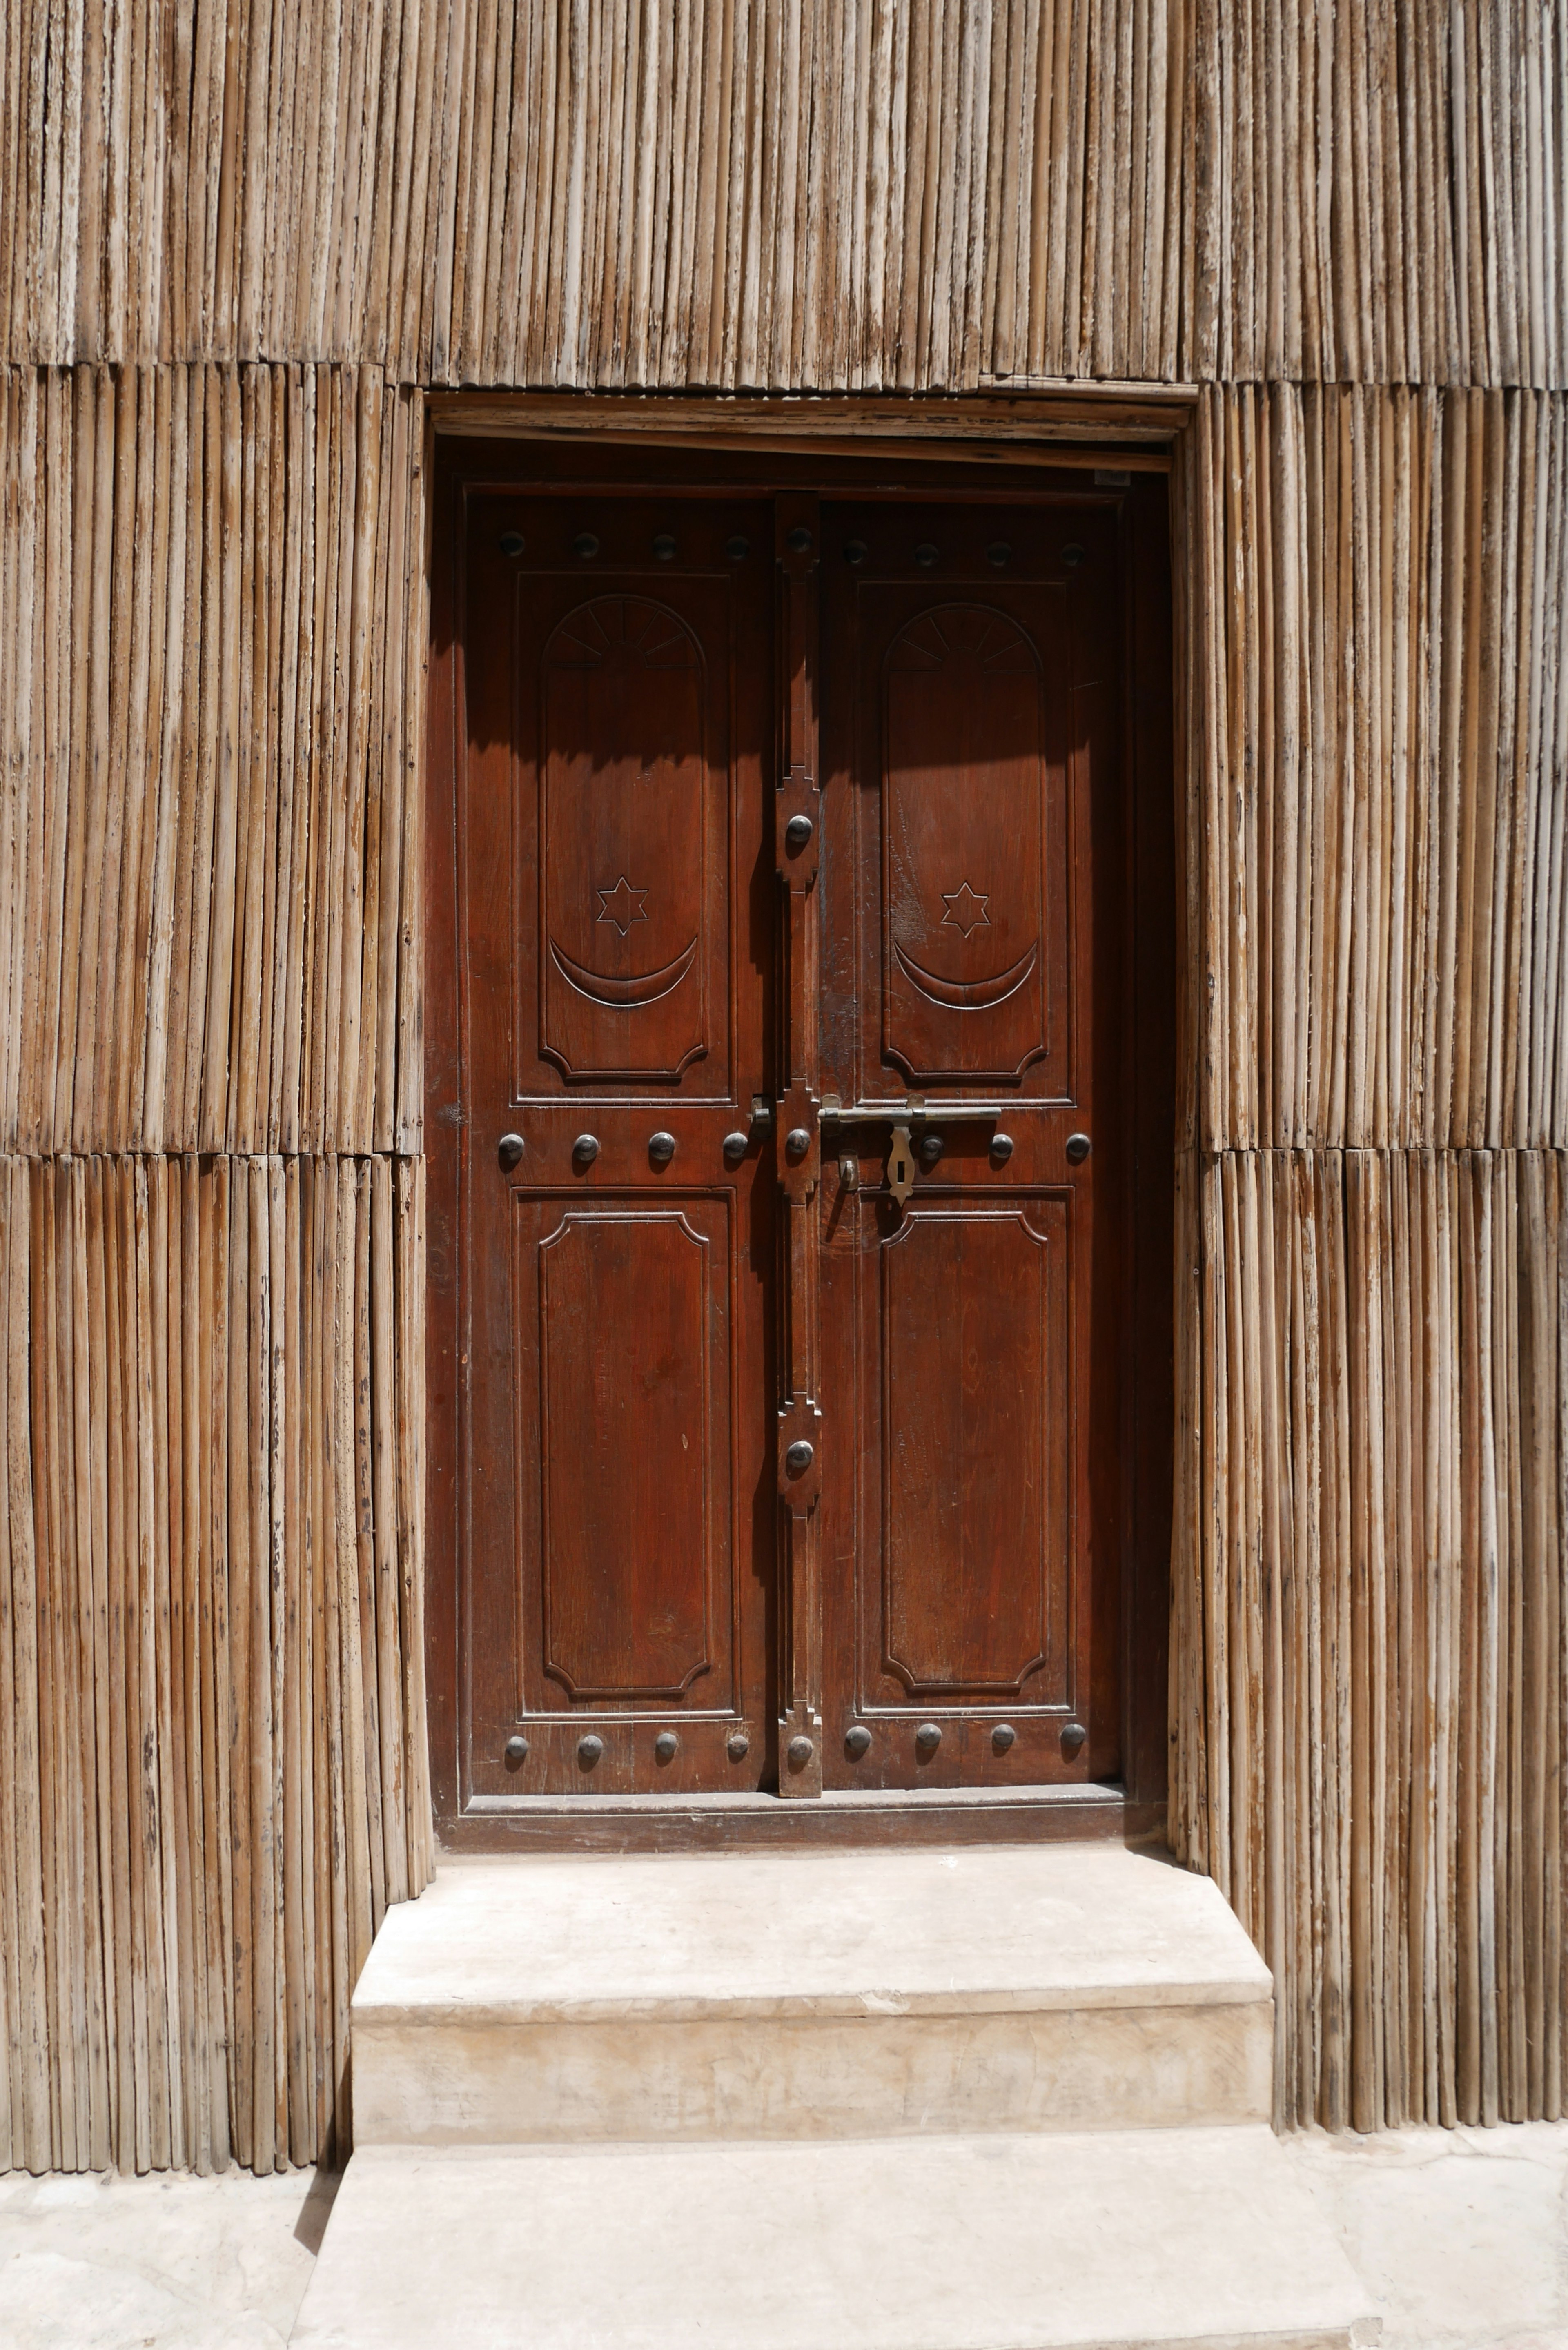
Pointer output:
x,y
969,1258
780,1196
616,934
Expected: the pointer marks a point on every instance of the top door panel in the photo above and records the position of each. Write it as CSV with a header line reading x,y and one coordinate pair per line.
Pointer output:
x,y
957,660
631,809
973,853
623,717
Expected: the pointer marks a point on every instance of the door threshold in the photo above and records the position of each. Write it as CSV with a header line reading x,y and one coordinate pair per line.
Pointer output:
x,y
729,1823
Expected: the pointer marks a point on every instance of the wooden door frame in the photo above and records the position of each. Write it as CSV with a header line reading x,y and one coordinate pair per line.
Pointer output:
x,y
1124,428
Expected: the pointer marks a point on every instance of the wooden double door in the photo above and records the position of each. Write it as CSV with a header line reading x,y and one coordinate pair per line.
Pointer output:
x,y
787,879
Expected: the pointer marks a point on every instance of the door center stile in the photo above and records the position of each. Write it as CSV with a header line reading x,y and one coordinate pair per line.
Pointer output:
x,y
798,1144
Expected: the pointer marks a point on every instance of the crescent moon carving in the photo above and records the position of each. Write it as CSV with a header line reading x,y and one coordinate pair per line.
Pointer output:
x,y
624,994
970,994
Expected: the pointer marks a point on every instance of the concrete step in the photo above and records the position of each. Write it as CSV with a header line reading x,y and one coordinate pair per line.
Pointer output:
x,y
808,1995
1193,2237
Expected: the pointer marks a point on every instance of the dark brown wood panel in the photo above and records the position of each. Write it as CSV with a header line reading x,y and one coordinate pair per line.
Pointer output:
x,y
632,780
974,861
969,1328
624,1487
646,685
975,979
617,1245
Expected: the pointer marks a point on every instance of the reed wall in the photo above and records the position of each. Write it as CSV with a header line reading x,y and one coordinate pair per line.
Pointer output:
x,y
1368,1677
214,1759
854,193
238,243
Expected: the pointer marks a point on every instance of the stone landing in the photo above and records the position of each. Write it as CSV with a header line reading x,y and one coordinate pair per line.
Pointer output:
x,y
999,2098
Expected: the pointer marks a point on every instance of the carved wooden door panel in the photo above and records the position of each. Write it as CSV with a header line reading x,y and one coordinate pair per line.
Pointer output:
x,y
616,916
969,764
789,862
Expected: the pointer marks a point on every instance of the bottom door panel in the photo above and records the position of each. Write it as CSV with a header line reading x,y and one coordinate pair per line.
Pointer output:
x,y
630,1495
952,1547
633,1655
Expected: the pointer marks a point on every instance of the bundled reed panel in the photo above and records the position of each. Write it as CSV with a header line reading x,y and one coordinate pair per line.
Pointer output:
x,y
212,646
694,192
1377,769
1382,192
210,1646
860,194
1367,1685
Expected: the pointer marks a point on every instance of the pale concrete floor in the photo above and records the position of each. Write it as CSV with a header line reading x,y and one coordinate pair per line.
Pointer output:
x,y
1461,2236
168,2263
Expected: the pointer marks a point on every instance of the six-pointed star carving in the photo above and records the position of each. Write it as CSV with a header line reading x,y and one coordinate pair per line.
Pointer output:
x,y
622,905
966,910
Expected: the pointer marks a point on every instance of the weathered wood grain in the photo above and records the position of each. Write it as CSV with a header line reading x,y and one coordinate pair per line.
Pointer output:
x,y
159,1656
673,193
208,836
1395,1500
1376,728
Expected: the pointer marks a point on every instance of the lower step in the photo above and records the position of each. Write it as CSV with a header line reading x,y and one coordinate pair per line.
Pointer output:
x,y
1201,2237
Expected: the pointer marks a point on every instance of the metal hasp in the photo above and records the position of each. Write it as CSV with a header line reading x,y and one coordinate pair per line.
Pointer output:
x,y
798,1153
900,1165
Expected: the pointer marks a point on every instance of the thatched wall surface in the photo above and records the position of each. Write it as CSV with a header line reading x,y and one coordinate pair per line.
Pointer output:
x,y
866,193
237,246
